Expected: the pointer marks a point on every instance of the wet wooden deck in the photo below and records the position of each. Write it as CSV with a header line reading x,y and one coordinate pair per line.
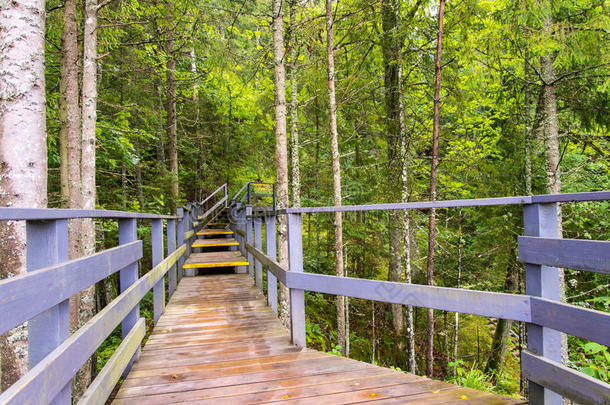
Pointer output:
x,y
218,343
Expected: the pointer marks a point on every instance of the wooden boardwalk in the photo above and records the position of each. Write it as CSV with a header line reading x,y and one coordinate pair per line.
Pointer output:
x,y
218,343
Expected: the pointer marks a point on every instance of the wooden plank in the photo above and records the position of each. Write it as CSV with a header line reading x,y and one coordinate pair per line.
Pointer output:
x,y
208,370
49,376
477,202
251,393
214,232
29,294
215,242
98,392
215,259
563,380
270,249
297,295
540,220
386,388
47,244
156,231
270,264
235,378
172,276
577,254
213,208
582,322
43,214
188,235
240,232
483,303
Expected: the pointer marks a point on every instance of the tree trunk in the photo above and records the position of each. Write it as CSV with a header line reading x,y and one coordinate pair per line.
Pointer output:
x,y
86,300
433,170
392,45
294,108
334,141
281,150
172,119
23,151
551,151
69,112
70,137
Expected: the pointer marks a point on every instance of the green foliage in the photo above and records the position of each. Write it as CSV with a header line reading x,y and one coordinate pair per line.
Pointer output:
x,y
470,378
594,360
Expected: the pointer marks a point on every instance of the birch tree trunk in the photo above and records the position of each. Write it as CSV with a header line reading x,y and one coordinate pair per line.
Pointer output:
x,y
433,170
172,119
86,301
334,142
294,108
69,112
551,148
281,150
23,150
70,137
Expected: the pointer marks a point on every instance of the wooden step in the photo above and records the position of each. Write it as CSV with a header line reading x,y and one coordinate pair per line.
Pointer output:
x,y
205,232
215,259
214,242
218,224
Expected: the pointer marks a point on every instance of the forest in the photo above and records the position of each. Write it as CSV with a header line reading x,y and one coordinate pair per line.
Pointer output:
x,y
146,105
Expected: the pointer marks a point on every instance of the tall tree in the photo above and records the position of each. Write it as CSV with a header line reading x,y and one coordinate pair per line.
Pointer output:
x,y
86,304
334,142
294,107
70,135
281,148
433,173
392,49
172,116
23,150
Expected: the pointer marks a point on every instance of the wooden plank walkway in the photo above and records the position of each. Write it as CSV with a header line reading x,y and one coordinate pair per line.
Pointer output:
x,y
218,343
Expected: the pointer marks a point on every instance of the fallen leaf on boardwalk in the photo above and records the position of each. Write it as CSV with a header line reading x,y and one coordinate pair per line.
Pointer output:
x,y
357,384
373,394
175,376
436,392
464,397
286,397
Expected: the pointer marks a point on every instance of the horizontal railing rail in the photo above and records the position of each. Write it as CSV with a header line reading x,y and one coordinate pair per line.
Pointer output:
x,y
40,296
477,202
540,249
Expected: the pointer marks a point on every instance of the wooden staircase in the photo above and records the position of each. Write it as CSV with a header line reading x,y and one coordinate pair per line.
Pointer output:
x,y
215,248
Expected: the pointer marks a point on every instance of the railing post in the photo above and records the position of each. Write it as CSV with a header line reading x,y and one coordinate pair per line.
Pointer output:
x,y
258,243
542,281
128,232
271,252
180,240
171,247
297,297
157,257
249,238
47,244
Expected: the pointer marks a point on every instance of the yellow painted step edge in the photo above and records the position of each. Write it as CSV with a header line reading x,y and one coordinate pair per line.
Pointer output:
x,y
215,244
214,233
208,265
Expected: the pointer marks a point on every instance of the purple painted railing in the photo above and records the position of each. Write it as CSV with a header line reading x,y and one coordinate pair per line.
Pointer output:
x,y
40,297
540,249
